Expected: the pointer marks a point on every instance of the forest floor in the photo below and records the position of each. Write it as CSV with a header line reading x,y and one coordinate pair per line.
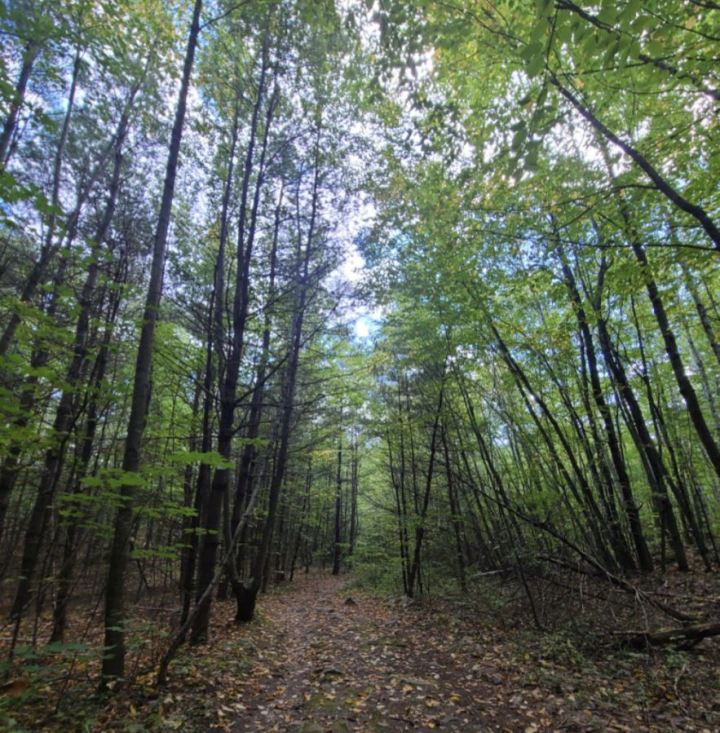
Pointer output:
x,y
324,656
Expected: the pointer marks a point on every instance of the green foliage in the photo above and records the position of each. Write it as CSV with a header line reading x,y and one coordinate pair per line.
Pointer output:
x,y
505,169
41,670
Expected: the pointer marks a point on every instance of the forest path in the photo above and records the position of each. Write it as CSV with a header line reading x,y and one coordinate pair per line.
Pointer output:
x,y
327,663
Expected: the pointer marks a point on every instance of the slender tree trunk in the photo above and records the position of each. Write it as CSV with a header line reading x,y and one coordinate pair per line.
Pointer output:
x,y
578,485
401,519
337,545
246,473
354,468
703,315
631,510
712,450
73,531
687,515
40,267
220,486
54,457
214,343
30,54
454,513
656,472
113,666
302,521
246,609
50,244
414,573
661,183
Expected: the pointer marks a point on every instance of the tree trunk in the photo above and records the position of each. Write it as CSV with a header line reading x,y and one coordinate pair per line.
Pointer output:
x,y
631,510
354,468
337,544
246,473
656,472
454,513
248,596
113,666
414,574
65,576
220,486
32,48
662,184
40,267
671,348
64,416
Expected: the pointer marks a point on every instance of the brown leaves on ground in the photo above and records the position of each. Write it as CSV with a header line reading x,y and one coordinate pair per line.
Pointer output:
x,y
379,666
322,658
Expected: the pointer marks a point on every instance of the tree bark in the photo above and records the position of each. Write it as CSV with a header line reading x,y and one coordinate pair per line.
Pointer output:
x,y
246,605
32,48
712,451
631,510
40,267
220,486
657,474
661,183
113,666
420,530
55,455
337,544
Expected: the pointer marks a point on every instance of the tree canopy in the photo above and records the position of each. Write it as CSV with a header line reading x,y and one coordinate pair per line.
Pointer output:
x,y
425,290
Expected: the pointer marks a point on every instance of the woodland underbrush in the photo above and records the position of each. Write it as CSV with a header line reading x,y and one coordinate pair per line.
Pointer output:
x,y
573,633
568,632
54,686
599,610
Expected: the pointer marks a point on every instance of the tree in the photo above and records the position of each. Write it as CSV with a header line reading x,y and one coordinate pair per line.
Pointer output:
x,y
114,659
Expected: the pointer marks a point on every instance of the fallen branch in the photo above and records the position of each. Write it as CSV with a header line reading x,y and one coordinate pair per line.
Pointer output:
x,y
621,583
597,567
685,637
501,571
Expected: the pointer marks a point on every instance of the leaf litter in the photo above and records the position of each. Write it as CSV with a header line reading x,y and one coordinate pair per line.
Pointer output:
x,y
325,657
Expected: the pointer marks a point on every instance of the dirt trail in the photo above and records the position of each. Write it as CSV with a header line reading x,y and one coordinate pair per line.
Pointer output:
x,y
330,659
317,662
